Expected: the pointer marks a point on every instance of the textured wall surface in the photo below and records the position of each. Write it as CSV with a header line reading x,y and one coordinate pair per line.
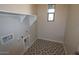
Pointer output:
x,y
52,30
72,30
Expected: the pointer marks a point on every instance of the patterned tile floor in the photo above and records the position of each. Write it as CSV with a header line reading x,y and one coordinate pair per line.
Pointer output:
x,y
44,47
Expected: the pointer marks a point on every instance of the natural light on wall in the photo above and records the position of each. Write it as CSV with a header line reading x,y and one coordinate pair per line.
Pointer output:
x,y
51,12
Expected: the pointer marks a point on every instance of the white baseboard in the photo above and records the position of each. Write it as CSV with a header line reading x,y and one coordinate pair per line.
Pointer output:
x,y
50,40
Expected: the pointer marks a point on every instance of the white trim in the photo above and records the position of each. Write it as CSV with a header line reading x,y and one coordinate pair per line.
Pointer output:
x,y
16,12
50,40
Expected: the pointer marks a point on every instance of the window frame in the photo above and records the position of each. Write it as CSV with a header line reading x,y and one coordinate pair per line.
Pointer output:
x,y
51,13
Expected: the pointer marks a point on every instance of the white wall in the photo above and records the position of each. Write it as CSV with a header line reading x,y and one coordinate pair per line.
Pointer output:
x,y
11,24
72,30
52,30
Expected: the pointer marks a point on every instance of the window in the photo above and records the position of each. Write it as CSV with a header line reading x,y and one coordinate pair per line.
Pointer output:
x,y
51,12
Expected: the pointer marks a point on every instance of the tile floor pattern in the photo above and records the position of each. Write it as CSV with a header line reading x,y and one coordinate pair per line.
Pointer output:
x,y
44,47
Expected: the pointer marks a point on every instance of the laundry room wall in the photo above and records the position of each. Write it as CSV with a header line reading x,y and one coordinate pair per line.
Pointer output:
x,y
11,24
72,30
53,31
